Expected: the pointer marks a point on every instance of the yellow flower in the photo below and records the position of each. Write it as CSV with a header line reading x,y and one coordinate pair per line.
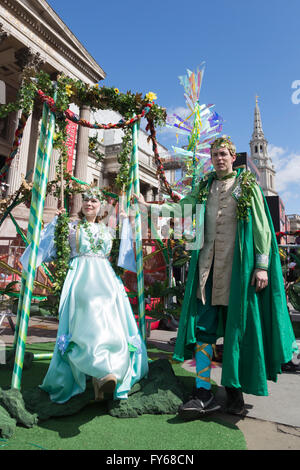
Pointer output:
x,y
55,136
116,90
151,96
69,90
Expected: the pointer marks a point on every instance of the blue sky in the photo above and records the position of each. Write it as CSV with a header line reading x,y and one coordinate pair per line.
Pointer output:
x,y
250,48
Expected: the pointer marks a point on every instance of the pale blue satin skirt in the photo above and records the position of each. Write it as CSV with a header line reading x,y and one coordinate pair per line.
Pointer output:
x,y
97,333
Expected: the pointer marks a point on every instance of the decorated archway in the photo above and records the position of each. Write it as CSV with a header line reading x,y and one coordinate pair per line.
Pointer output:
x,y
57,97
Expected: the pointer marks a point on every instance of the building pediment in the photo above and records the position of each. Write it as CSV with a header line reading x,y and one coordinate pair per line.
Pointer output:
x,y
35,24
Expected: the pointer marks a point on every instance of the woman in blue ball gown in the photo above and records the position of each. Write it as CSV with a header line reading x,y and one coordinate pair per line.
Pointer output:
x,y
97,335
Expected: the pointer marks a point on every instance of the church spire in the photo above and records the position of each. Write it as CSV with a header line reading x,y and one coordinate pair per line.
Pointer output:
x,y
258,130
259,154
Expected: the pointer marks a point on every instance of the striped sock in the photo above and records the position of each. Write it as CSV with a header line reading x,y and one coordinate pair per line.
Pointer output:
x,y
203,356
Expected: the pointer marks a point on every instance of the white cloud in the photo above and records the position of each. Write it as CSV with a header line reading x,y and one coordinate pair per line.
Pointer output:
x,y
276,153
182,112
287,166
290,195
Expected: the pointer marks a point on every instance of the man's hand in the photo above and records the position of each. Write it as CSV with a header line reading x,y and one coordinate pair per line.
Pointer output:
x,y
260,278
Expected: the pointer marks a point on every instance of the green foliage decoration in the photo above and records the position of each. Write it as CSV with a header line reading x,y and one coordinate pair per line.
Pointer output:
x,y
63,252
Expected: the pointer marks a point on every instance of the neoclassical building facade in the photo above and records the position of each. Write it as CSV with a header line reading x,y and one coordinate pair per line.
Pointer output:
x,y
32,34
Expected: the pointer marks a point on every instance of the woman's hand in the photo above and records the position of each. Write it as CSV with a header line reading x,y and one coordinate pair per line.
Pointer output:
x,y
260,278
140,200
60,211
122,213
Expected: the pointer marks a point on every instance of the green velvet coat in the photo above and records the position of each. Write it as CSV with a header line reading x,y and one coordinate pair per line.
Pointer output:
x,y
258,334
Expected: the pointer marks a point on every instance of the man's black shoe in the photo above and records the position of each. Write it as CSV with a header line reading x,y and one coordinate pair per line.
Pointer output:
x,y
167,325
201,403
235,402
290,367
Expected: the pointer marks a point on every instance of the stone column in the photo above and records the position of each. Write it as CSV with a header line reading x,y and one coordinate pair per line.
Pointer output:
x,y
155,194
81,162
33,141
159,195
149,194
19,163
17,169
24,57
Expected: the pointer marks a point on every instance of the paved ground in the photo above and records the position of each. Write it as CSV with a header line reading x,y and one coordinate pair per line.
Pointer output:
x,y
272,423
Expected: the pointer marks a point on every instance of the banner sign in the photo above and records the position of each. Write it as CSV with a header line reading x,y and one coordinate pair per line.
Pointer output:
x,y
70,143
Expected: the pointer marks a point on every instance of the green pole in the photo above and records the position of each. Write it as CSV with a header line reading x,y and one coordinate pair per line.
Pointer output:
x,y
42,356
128,193
194,169
138,232
36,209
40,155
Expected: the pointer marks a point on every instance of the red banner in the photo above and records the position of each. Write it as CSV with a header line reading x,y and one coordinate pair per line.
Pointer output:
x,y
70,143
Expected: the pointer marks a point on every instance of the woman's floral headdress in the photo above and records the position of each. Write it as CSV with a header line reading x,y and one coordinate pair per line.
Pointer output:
x,y
93,192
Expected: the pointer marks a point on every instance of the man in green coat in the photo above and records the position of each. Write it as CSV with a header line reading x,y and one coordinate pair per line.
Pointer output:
x,y
234,288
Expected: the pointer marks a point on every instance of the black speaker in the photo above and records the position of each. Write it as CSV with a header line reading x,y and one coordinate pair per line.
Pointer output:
x,y
277,211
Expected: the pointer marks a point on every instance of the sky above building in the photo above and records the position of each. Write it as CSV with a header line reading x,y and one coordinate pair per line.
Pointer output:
x,y
249,48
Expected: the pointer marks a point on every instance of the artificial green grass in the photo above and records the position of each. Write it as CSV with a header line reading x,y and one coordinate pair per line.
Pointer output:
x,y
93,429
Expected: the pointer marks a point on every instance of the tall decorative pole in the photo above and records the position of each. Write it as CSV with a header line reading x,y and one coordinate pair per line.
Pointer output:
x,y
35,219
138,232
41,149
201,126
194,141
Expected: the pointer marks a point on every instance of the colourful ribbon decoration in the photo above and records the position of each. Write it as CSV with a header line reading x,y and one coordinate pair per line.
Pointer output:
x,y
82,122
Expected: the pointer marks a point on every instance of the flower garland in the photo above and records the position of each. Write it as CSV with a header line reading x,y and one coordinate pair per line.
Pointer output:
x,y
63,251
243,192
94,149
75,91
96,97
247,182
82,122
86,227
204,187
160,168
